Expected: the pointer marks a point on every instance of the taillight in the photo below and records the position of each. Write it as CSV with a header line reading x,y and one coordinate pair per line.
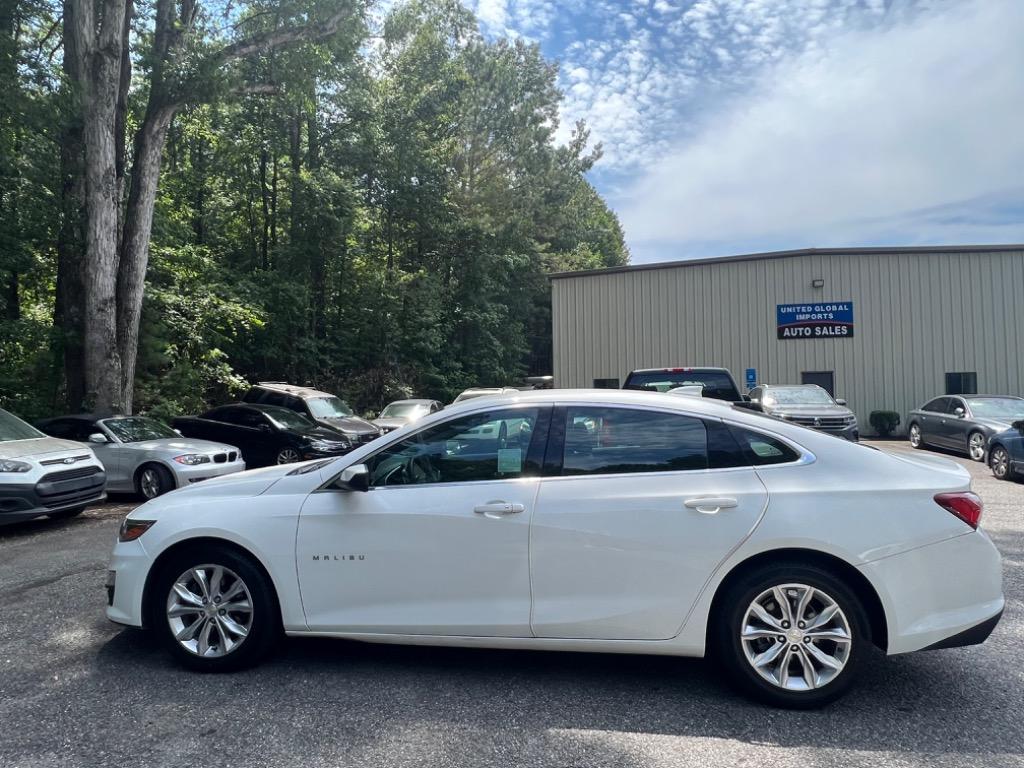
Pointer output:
x,y
965,505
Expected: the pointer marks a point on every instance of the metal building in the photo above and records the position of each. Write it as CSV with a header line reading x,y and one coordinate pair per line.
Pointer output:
x,y
884,328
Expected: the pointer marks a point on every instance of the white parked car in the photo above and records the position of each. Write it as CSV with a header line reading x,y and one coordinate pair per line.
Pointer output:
x,y
43,476
609,521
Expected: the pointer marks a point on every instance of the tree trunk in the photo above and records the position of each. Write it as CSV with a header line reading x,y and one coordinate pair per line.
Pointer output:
x,y
149,147
69,306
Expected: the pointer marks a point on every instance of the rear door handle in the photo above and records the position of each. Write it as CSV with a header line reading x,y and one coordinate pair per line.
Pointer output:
x,y
499,508
710,505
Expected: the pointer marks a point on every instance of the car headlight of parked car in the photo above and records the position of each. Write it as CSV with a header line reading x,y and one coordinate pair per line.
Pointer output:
x,y
10,465
192,459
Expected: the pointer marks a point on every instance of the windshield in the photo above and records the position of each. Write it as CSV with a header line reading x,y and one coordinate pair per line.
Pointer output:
x,y
716,384
797,396
328,407
13,428
286,419
403,411
135,429
999,408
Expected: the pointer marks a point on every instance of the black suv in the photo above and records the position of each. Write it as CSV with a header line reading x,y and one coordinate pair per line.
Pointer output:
x,y
322,407
716,382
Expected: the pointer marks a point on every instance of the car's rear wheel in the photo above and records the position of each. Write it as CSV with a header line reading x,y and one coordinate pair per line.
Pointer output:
x,y
214,609
915,436
64,514
791,635
153,480
976,446
999,463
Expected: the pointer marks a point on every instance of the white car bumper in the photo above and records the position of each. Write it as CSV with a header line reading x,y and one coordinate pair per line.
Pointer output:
x,y
935,593
126,580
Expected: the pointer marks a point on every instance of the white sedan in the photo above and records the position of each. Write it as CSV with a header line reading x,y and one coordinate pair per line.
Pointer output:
x,y
605,521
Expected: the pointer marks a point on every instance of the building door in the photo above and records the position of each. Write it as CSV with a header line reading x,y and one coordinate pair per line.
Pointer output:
x,y
824,379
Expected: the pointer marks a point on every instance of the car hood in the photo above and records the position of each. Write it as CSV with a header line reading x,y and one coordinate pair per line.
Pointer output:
x,y
252,482
179,445
320,432
348,424
38,447
995,425
391,422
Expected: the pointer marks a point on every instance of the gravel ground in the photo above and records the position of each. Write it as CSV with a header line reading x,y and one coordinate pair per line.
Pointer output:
x,y
76,690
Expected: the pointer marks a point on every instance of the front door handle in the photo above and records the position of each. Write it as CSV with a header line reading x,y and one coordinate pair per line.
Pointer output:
x,y
499,508
710,505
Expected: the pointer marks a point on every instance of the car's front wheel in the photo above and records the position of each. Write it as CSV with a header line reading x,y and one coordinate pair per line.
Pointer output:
x,y
999,463
791,635
976,446
153,480
214,609
288,456
915,436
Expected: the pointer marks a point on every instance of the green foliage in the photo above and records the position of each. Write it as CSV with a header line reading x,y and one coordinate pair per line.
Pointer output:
x,y
381,225
884,422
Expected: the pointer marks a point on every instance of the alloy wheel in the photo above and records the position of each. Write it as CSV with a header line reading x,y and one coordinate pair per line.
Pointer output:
x,y
976,446
1000,463
149,483
796,637
209,610
287,456
915,436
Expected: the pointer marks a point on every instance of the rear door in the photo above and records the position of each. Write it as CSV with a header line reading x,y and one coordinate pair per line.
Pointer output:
x,y
637,509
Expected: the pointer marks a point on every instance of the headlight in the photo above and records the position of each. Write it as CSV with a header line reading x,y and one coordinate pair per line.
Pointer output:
x,y
10,465
132,529
191,459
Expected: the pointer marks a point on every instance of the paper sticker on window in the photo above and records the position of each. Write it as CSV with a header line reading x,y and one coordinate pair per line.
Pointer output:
x,y
510,460
765,450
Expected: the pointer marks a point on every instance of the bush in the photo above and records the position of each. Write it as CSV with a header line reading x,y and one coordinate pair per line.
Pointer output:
x,y
884,422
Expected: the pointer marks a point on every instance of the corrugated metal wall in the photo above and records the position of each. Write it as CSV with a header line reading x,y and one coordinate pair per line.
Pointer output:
x,y
917,316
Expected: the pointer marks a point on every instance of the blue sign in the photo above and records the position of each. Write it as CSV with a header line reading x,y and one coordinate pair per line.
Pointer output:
x,y
751,378
818,320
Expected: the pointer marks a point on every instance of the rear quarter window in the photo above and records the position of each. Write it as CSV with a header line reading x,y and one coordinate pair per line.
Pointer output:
x,y
762,450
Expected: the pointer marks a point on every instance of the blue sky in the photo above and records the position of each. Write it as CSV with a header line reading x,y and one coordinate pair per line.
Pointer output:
x,y
732,126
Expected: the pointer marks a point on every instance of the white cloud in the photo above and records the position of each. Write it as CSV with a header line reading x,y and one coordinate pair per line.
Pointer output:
x,y
876,131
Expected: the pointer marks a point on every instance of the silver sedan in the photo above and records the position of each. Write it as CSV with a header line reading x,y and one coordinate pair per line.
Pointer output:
x,y
143,455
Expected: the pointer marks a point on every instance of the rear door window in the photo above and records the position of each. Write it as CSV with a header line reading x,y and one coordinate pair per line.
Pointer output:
x,y
604,440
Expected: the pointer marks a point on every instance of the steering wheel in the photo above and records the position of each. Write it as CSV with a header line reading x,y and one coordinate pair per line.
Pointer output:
x,y
420,469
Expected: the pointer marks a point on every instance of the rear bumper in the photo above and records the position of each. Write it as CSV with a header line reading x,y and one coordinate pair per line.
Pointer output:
x,y
26,501
940,593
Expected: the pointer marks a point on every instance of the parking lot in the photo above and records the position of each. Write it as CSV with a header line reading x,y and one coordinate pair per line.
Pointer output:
x,y
76,690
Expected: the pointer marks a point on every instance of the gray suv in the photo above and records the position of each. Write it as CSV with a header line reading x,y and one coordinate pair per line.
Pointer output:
x,y
808,405
322,407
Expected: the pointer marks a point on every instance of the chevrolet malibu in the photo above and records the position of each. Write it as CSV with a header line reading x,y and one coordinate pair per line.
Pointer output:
x,y
609,521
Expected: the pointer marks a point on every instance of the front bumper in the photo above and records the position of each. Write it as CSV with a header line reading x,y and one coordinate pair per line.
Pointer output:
x,y
126,580
940,592
185,475
27,501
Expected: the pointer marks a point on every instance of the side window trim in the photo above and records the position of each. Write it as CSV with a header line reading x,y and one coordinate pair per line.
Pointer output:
x,y
804,456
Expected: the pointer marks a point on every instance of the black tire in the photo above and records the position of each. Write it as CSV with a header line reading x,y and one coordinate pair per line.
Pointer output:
x,y
728,649
152,480
264,630
65,514
996,466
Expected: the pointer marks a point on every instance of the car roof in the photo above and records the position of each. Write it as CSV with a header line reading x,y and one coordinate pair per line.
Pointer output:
x,y
292,389
90,417
271,409
681,369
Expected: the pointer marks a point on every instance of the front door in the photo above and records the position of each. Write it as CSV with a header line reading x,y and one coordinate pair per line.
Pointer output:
x,y
439,545
627,535
824,379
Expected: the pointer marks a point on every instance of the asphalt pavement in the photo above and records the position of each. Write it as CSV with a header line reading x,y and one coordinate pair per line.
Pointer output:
x,y
76,690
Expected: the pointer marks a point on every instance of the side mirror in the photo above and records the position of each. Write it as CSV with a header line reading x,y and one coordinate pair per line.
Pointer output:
x,y
354,478
840,401
98,437
959,413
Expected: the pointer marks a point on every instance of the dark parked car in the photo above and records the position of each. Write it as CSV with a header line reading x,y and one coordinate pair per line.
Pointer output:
x,y
322,407
807,405
717,383
1006,453
266,434
963,423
